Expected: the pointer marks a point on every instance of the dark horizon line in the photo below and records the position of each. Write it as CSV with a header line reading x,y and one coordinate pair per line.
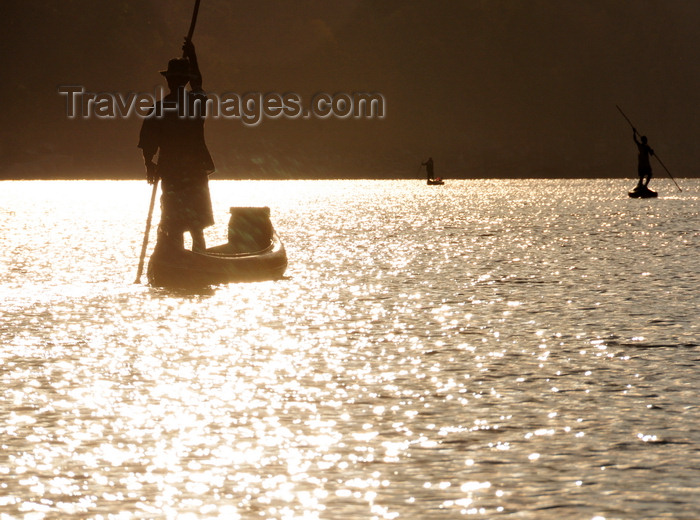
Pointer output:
x,y
333,178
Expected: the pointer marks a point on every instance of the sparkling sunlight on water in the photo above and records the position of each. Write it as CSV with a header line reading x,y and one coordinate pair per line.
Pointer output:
x,y
483,349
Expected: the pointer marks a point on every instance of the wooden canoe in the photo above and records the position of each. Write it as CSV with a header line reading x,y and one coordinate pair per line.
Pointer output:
x,y
642,192
237,261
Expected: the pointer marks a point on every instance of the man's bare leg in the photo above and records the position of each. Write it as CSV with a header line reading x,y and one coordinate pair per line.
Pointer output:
x,y
198,242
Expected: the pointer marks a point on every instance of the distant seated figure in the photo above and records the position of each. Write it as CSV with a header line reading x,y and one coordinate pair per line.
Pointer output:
x,y
429,168
643,164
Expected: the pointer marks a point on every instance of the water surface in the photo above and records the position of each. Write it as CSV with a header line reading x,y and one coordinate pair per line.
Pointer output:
x,y
482,349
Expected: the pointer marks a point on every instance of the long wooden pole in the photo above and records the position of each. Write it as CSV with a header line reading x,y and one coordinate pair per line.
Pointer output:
x,y
669,173
146,234
655,155
194,20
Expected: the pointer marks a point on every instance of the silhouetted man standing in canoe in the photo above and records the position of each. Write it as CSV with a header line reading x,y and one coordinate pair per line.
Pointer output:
x,y
643,164
175,131
429,168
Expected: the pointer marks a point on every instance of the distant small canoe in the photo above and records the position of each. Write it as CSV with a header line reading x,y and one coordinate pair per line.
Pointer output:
x,y
254,253
435,182
642,192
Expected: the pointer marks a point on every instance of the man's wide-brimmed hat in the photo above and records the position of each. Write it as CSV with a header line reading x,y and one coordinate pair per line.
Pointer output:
x,y
178,67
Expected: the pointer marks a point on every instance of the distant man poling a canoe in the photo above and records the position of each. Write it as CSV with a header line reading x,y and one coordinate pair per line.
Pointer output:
x,y
175,132
429,168
643,164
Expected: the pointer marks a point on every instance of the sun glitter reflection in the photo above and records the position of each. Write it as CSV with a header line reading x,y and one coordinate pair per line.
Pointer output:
x,y
429,354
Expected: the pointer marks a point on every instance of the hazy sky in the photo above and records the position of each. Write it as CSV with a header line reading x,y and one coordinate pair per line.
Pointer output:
x,y
488,88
